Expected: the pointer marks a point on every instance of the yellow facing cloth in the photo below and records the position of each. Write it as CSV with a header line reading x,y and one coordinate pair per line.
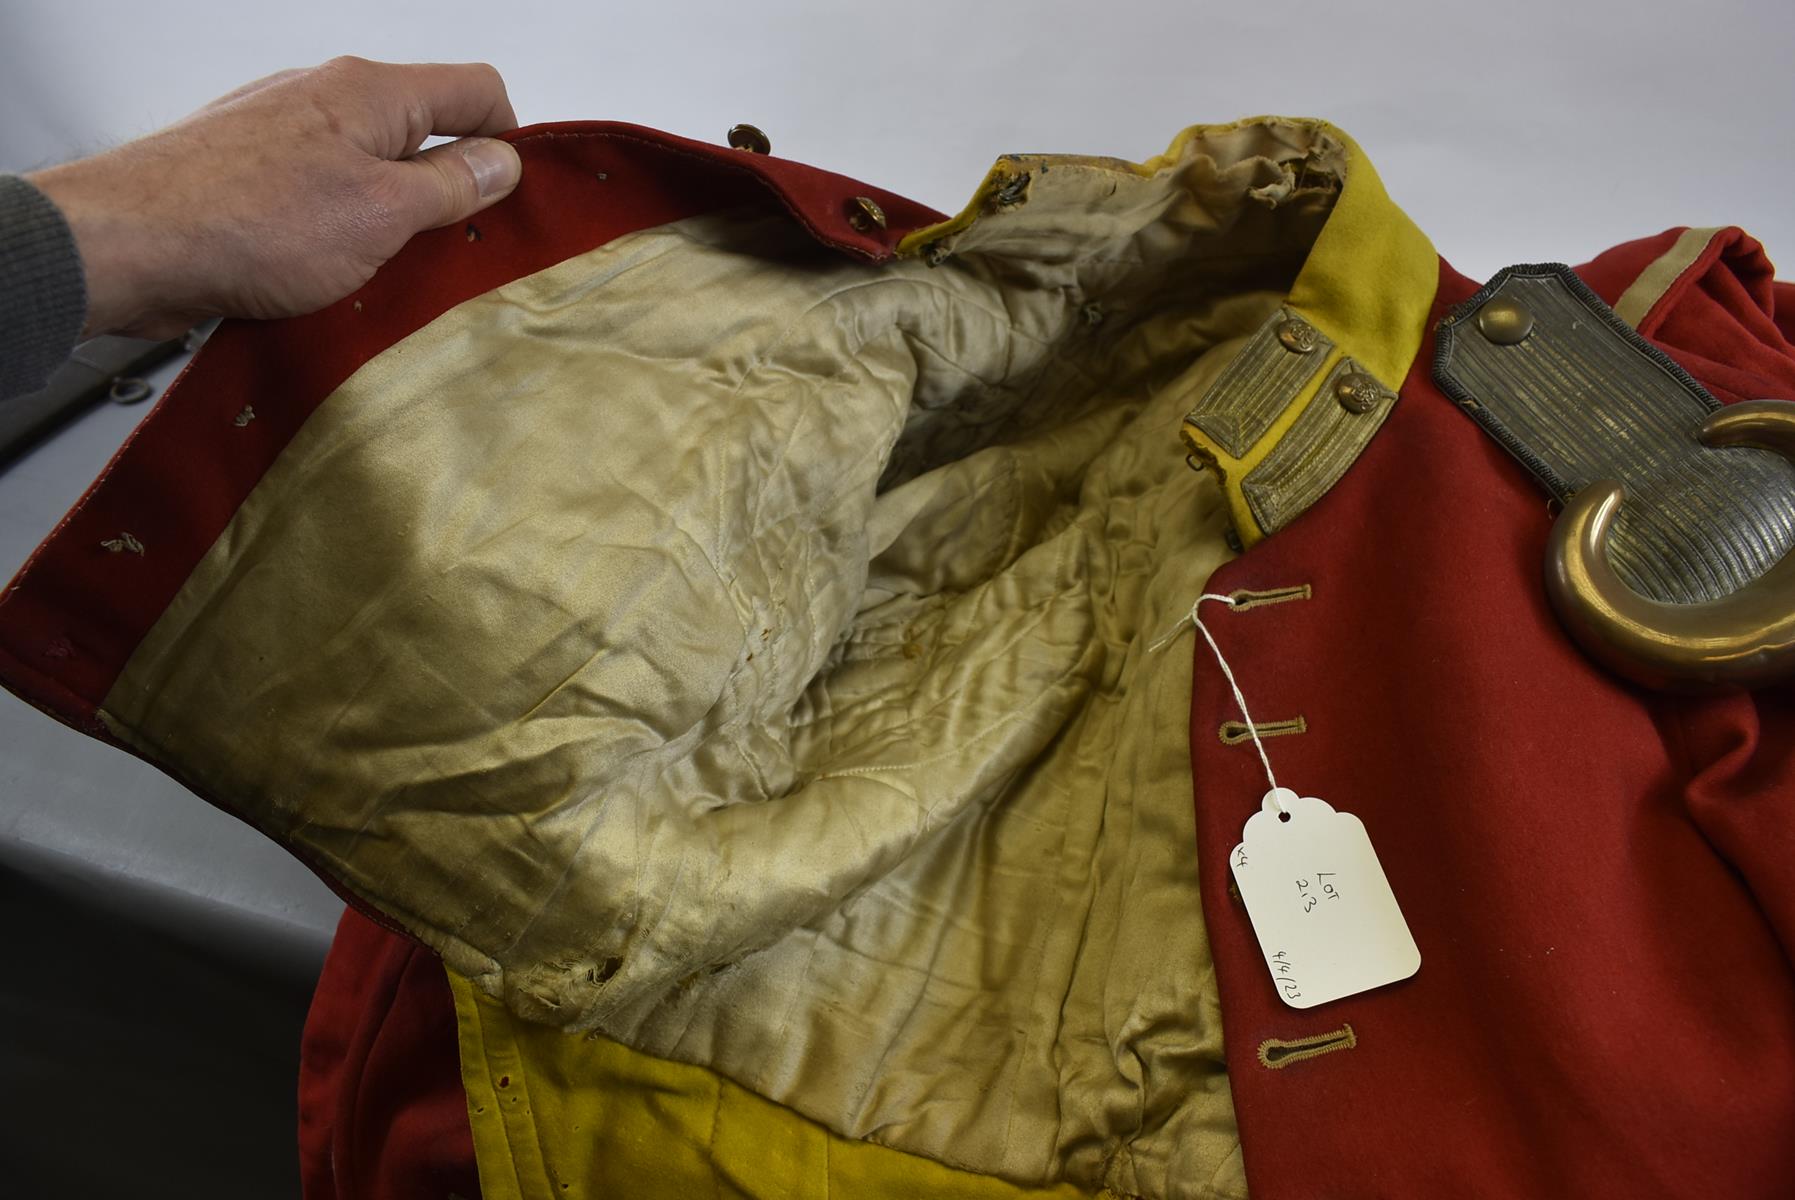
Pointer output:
x,y
558,1115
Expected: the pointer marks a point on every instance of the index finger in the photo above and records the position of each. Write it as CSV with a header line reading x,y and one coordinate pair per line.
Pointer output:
x,y
451,99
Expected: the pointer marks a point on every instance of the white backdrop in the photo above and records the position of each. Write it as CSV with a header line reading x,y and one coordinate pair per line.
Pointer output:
x,y
1511,130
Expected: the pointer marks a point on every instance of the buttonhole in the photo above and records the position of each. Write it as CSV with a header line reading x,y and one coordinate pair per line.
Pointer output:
x,y
1278,1053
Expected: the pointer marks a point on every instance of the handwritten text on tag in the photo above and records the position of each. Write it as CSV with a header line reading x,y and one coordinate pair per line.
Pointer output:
x,y
1326,920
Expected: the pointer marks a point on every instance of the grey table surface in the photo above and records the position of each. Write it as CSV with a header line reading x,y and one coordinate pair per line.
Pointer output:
x,y
108,829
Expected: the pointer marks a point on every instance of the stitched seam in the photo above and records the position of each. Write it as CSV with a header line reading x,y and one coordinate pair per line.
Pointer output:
x,y
525,1111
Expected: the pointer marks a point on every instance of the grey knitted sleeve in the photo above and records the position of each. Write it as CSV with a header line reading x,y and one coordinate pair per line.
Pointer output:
x,y
43,292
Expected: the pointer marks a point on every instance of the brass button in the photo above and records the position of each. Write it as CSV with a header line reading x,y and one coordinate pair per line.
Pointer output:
x,y
747,137
1504,322
1297,335
865,214
1359,392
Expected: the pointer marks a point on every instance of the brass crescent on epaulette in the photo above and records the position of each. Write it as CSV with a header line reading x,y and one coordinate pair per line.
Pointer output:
x,y
1742,640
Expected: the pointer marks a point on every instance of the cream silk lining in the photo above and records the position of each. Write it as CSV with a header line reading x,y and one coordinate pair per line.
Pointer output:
x,y
741,652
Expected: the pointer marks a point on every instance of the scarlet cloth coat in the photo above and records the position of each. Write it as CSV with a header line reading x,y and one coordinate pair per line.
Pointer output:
x,y
1597,877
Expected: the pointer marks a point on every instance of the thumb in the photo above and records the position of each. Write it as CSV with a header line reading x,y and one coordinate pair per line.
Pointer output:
x,y
450,182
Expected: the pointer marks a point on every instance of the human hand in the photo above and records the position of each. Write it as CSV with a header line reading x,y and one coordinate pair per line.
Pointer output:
x,y
283,196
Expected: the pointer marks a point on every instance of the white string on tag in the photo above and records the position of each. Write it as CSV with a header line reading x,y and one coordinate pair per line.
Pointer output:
x,y
1277,794
1321,906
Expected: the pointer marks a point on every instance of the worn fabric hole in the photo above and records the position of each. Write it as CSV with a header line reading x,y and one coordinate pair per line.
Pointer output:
x,y
1233,733
1247,598
1012,193
1278,1053
473,233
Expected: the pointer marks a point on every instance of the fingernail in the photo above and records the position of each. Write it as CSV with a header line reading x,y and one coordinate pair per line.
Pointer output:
x,y
495,165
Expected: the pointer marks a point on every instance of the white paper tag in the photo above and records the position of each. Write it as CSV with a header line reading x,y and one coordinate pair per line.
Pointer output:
x,y
1327,921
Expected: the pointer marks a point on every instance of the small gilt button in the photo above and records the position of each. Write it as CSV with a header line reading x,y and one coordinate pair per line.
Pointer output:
x,y
1505,322
1359,392
1297,335
865,214
747,137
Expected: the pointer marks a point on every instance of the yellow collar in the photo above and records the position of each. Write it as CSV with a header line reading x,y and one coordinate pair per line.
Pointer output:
x,y
1367,284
